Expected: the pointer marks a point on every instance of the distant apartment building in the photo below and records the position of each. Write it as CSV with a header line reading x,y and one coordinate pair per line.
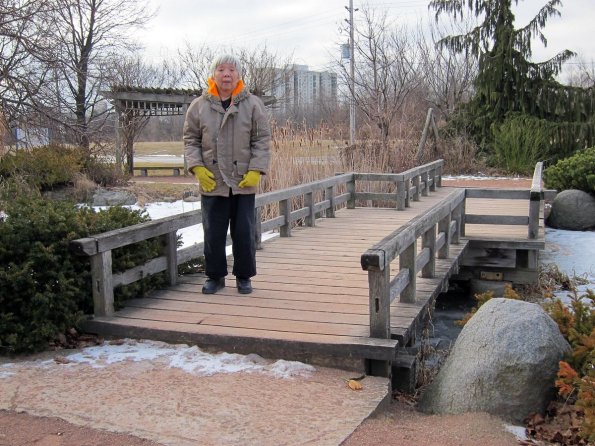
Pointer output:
x,y
296,87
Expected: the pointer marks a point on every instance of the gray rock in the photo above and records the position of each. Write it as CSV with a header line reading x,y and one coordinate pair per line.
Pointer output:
x,y
104,197
504,362
574,210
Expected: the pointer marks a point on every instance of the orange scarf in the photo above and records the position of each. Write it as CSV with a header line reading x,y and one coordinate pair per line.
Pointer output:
x,y
213,87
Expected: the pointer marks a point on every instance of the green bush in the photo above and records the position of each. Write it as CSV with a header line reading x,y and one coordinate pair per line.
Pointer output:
x,y
520,142
43,167
44,288
575,172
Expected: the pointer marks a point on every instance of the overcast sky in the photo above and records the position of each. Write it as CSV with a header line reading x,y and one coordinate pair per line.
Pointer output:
x,y
310,29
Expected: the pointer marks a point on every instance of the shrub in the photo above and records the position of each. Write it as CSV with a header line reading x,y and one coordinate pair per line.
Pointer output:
x,y
575,172
43,167
44,288
520,142
104,173
576,376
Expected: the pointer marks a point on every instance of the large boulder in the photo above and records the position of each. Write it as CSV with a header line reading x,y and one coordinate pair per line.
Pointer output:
x,y
574,210
104,197
504,362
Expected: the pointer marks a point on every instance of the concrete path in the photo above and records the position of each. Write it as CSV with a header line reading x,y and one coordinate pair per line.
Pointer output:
x,y
151,399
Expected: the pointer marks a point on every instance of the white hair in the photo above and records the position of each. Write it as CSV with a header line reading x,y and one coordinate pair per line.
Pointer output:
x,y
226,58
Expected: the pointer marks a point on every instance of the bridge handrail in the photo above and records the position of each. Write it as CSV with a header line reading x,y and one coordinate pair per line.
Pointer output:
x,y
410,184
383,288
535,196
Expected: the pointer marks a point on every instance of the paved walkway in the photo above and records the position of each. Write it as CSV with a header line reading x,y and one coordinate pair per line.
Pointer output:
x,y
152,400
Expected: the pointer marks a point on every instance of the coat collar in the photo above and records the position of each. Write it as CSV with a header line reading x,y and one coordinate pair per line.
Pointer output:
x,y
239,93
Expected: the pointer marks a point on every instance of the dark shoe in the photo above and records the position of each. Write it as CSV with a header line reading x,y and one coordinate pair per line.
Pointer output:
x,y
211,286
244,286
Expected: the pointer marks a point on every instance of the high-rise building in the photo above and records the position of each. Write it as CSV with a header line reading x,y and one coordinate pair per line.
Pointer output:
x,y
297,87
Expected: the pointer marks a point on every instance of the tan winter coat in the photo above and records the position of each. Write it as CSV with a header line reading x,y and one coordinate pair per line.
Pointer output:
x,y
230,143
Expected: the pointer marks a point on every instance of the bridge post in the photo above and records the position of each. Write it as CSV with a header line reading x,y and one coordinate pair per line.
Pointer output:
x,y
171,255
429,241
258,227
103,288
407,261
424,181
285,211
329,194
535,198
401,195
417,184
379,291
309,203
407,193
444,228
433,180
351,190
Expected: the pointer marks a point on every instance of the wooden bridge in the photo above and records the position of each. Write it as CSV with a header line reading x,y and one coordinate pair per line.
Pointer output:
x,y
345,283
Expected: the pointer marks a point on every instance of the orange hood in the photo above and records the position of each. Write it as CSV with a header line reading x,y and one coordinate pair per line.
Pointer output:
x,y
213,87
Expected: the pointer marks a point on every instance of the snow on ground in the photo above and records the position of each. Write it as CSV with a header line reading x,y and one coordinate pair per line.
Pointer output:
x,y
191,360
574,254
190,235
480,177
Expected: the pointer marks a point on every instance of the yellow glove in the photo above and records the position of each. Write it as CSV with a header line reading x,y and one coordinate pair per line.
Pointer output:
x,y
205,178
251,179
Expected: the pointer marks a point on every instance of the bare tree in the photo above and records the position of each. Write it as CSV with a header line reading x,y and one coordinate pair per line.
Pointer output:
x,y
385,70
195,62
262,68
447,76
23,51
87,36
582,74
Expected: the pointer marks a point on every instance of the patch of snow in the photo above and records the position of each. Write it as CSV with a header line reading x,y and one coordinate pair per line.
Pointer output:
x,y
518,431
192,234
191,360
6,373
479,177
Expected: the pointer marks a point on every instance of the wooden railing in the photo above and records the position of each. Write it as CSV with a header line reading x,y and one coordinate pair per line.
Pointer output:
x,y
410,185
402,243
318,197
534,196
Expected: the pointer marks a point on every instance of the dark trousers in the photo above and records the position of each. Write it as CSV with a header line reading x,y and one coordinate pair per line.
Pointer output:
x,y
235,212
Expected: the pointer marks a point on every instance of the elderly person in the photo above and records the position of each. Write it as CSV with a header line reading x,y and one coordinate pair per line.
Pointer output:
x,y
227,148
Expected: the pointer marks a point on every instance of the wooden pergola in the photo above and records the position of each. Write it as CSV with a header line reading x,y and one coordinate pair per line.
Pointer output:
x,y
133,104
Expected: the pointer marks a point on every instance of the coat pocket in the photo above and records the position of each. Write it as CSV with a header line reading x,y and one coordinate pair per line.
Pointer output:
x,y
242,168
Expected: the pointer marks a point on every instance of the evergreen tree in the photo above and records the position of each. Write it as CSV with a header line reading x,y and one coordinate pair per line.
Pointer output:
x,y
509,85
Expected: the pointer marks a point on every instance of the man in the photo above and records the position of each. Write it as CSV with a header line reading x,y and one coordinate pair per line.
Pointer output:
x,y
227,148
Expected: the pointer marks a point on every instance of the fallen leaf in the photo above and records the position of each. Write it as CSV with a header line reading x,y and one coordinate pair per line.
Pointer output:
x,y
354,385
